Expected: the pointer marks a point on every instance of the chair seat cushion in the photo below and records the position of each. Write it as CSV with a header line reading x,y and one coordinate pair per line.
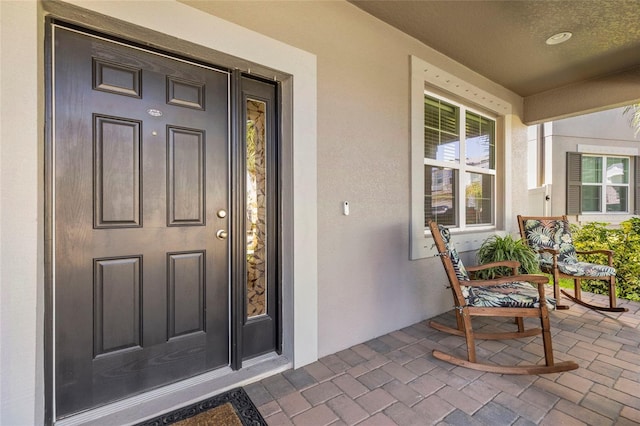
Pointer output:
x,y
580,269
516,294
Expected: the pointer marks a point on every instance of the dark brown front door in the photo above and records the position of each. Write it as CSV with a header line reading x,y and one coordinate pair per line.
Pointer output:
x,y
141,285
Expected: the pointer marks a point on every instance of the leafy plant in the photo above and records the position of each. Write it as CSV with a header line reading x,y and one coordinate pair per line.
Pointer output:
x,y
497,248
625,243
634,121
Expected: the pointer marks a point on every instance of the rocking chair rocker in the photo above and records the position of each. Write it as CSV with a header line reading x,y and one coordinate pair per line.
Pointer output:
x,y
551,238
513,296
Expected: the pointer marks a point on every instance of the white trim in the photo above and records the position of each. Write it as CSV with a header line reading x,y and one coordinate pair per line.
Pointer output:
x,y
425,76
603,184
611,218
607,150
464,242
437,77
420,246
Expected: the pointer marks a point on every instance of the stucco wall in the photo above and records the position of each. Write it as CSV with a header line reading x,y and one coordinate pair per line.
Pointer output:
x,y
518,165
366,284
610,125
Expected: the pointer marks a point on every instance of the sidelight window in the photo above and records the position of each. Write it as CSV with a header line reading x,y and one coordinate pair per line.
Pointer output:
x,y
256,143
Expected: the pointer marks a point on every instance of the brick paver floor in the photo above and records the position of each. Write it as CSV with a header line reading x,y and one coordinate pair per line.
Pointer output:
x,y
394,379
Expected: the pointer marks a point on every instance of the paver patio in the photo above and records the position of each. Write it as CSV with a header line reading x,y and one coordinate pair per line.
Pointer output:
x,y
394,380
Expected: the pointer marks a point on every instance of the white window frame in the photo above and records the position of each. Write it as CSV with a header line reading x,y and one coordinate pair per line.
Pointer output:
x,y
430,78
634,181
603,184
461,166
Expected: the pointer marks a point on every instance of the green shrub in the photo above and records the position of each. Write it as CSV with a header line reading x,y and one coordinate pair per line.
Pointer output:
x,y
497,248
625,243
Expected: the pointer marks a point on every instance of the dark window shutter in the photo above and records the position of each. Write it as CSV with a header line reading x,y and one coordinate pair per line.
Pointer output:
x,y
574,183
636,185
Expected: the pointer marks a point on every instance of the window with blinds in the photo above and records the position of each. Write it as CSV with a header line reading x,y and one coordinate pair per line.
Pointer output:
x,y
459,164
600,183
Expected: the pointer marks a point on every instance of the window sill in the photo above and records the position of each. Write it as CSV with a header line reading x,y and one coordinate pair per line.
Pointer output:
x,y
611,218
463,241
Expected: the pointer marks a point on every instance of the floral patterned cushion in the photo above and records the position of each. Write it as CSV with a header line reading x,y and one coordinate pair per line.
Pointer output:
x,y
514,294
555,234
552,234
582,269
458,266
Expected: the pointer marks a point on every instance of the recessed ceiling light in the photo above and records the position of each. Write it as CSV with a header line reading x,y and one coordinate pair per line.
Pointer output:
x,y
559,38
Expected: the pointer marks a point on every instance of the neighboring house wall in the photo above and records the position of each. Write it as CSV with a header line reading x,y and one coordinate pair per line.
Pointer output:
x,y
367,286
606,132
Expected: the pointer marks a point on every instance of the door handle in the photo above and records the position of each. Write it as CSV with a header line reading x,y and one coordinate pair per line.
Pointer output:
x,y
222,234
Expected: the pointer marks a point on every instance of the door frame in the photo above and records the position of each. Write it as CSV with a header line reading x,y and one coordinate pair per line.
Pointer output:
x,y
208,37
237,194
238,201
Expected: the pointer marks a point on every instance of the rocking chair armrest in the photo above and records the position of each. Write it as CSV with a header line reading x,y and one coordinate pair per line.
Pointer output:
x,y
530,278
608,253
600,251
554,252
513,264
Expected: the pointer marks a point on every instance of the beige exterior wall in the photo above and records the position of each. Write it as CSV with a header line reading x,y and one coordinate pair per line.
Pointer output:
x,y
366,284
359,282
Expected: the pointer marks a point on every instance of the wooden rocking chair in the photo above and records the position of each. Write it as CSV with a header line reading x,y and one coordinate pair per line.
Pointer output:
x,y
551,238
513,296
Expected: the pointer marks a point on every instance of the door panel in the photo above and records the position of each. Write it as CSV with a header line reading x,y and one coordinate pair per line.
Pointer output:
x,y
186,293
116,172
185,168
141,168
116,320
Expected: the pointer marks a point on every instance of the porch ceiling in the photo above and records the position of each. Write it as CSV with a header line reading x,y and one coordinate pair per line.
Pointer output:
x,y
505,40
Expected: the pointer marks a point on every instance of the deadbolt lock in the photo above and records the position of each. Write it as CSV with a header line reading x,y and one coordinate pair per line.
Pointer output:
x,y
221,214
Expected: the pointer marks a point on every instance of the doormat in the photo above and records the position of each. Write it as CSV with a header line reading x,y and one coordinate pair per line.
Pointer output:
x,y
232,408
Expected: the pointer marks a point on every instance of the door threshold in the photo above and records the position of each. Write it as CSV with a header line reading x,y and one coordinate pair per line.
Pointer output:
x,y
168,398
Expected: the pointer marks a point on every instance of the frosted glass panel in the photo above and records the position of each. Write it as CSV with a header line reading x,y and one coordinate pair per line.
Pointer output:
x,y
256,223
